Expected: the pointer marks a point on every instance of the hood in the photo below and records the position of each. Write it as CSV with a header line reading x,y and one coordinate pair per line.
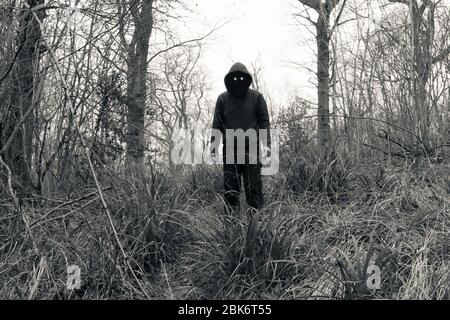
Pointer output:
x,y
238,87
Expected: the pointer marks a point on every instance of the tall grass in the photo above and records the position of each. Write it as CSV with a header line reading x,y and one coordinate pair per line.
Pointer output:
x,y
309,242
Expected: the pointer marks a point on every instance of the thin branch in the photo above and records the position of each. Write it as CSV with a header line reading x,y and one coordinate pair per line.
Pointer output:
x,y
91,167
185,42
441,56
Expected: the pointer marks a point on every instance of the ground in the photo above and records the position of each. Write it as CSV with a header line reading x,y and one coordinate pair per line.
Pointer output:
x,y
180,245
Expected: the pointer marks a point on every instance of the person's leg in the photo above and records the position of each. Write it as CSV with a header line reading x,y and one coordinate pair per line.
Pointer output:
x,y
232,188
253,185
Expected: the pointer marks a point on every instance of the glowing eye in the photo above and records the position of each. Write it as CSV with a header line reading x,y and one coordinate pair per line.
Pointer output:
x,y
235,79
242,78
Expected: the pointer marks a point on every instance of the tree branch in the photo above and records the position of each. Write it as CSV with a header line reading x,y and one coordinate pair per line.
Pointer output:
x,y
441,56
313,4
399,1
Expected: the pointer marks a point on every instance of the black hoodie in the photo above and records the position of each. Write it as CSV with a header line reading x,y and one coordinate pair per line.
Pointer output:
x,y
240,107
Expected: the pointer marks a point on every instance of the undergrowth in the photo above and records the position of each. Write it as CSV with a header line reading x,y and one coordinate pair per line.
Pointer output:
x,y
309,242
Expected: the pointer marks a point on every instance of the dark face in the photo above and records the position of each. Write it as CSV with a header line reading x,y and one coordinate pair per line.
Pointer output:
x,y
238,84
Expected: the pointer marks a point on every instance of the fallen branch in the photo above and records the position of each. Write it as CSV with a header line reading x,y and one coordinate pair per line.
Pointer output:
x,y
67,203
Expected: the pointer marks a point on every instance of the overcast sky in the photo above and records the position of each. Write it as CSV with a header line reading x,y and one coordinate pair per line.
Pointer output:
x,y
261,30
267,30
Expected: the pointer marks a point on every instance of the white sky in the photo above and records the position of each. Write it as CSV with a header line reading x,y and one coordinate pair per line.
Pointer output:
x,y
266,30
257,29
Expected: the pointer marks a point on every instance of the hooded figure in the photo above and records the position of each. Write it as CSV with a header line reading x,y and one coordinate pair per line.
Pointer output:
x,y
241,108
238,80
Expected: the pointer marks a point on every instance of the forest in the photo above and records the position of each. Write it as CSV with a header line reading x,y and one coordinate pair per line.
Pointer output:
x,y
96,95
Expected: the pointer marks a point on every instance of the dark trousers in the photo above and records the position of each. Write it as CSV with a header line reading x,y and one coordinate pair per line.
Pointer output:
x,y
251,174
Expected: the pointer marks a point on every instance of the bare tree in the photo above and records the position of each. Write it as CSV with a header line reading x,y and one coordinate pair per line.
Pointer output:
x,y
323,36
18,116
137,49
422,16
179,96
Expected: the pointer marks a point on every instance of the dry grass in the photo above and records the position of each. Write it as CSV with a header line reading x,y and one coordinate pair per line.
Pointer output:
x,y
304,245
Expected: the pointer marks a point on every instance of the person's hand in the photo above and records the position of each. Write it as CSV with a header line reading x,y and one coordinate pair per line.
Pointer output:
x,y
212,153
213,157
266,152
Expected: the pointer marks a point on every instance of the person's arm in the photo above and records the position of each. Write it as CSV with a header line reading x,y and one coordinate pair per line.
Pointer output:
x,y
218,120
262,116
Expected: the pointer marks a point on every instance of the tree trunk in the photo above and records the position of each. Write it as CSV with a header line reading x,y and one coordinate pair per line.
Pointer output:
x,y
137,65
323,9
19,153
323,67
